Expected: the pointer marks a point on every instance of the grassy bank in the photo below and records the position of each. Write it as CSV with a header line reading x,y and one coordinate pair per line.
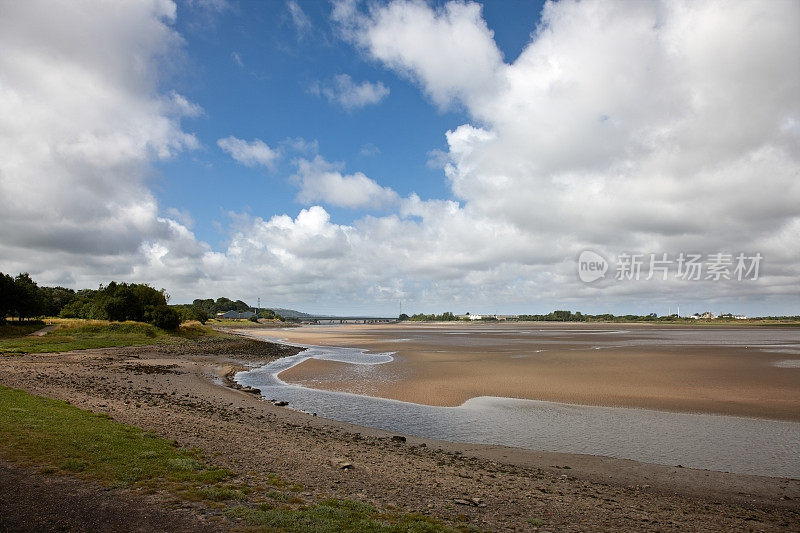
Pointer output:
x,y
59,437
56,437
76,334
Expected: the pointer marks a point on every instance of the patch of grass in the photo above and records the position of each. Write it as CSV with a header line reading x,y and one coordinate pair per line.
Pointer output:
x,y
538,522
55,435
334,516
217,494
276,495
74,334
276,481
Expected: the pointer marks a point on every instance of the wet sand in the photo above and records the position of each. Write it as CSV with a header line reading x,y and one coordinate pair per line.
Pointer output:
x,y
733,371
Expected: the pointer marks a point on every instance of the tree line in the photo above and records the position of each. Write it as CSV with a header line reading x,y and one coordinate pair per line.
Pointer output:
x,y
447,316
22,298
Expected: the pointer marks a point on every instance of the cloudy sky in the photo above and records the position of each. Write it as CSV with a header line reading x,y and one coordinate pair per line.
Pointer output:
x,y
346,156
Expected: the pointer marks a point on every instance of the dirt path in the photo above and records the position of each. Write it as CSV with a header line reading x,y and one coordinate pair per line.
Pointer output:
x,y
31,502
177,392
42,332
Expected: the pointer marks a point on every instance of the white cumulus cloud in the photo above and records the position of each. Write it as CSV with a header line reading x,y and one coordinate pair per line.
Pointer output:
x,y
251,154
342,90
321,181
621,127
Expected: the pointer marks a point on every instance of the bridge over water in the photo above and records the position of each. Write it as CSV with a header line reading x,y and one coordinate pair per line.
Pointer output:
x,y
346,320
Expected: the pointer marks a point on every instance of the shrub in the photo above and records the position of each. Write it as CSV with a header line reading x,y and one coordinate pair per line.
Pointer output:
x,y
165,317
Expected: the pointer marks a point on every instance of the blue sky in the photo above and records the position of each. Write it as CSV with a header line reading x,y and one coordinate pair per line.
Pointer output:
x,y
345,156
250,67
268,96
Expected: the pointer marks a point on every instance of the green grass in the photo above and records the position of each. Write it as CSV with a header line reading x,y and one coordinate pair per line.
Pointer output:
x,y
59,438
83,334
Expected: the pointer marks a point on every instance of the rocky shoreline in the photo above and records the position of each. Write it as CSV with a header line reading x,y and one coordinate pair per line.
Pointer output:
x,y
186,393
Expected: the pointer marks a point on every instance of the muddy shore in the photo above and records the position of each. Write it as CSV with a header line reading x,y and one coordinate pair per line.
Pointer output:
x,y
180,392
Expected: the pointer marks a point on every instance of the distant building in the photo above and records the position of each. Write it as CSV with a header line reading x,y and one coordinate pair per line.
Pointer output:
x,y
707,315
236,314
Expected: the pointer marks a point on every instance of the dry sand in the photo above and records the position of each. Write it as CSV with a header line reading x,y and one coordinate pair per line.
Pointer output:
x,y
178,392
447,364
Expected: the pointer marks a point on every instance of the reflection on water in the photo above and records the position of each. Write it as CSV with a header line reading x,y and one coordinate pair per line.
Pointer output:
x,y
725,443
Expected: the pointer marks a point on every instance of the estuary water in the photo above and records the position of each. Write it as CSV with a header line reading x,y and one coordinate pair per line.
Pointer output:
x,y
715,442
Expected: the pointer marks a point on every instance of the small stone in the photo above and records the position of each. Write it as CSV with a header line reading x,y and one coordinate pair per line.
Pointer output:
x,y
398,438
281,403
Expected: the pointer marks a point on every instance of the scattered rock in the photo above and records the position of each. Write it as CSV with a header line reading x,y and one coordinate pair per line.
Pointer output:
x,y
341,463
472,502
398,438
282,403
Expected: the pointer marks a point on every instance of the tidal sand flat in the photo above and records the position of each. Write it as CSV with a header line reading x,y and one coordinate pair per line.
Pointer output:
x,y
731,371
705,398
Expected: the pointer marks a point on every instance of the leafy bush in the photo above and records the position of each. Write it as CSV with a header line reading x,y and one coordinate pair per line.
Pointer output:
x,y
165,317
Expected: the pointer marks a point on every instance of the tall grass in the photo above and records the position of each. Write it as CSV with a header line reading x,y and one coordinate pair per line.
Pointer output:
x,y
77,334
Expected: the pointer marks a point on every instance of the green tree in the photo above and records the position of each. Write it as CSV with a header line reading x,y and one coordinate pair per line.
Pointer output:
x,y
54,299
7,296
27,298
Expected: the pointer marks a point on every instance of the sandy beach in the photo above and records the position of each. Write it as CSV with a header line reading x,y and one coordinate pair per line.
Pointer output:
x,y
587,364
180,392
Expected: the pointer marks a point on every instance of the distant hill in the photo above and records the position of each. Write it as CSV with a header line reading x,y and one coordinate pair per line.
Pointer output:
x,y
289,313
